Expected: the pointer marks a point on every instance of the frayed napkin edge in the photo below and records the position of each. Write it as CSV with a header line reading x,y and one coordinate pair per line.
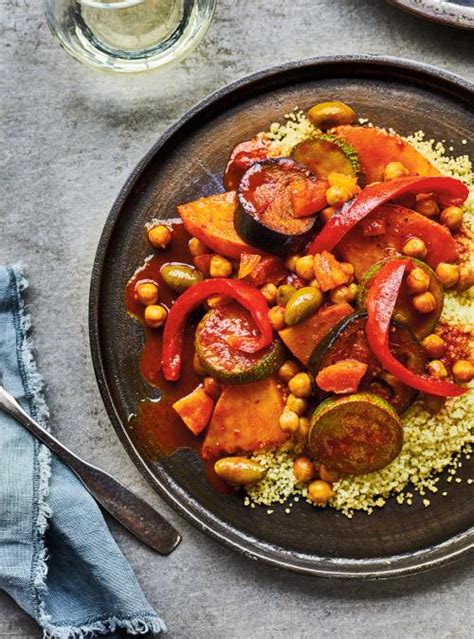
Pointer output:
x,y
34,387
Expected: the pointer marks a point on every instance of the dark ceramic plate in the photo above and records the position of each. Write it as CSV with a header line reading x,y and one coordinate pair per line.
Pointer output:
x,y
187,162
455,13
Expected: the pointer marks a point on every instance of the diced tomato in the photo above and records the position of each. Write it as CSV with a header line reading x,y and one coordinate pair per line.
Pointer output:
x,y
308,197
268,270
328,272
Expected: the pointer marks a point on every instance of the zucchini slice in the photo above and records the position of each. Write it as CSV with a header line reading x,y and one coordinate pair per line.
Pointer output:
x,y
356,434
228,364
420,324
348,341
325,154
264,217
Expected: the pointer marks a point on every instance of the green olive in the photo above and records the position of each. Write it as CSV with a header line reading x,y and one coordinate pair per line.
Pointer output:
x,y
328,114
302,304
239,470
284,292
180,277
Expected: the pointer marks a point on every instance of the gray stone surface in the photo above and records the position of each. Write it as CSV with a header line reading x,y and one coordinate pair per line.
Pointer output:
x,y
70,138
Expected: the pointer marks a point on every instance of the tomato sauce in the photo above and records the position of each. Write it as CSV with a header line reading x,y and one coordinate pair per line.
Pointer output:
x,y
457,343
157,428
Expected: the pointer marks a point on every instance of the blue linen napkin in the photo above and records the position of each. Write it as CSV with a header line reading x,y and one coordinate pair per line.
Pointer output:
x,y
58,559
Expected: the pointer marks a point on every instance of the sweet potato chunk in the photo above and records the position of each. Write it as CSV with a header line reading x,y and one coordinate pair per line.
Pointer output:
x,y
342,377
211,220
245,419
195,410
328,272
399,225
303,338
376,148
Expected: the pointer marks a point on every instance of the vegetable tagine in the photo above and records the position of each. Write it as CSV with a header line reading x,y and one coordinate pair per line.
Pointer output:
x,y
309,328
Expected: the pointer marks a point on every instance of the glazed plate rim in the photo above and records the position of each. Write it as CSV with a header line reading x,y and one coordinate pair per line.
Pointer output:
x,y
206,521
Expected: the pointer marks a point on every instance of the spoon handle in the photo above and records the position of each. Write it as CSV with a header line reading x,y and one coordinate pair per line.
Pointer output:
x,y
129,509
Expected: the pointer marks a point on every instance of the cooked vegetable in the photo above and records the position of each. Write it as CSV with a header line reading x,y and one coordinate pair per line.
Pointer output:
x,y
146,292
342,377
302,338
300,385
242,157
284,292
155,316
159,236
376,148
289,421
276,317
448,190
220,266
195,409
268,269
452,217
326,115
328,272
356,434
240,471
211,220
320,492
463,370
264,216
381,300
426,205
327,154
302,304
246,295
348,340
307,197
363,250
228,364
180,277
245,419
197,248
303,469
405,312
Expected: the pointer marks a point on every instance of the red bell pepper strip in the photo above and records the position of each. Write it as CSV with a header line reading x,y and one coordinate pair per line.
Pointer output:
x,y
381,300
251,298
449,191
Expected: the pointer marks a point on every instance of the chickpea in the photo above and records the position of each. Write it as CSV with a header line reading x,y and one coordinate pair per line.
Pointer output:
x,y
343,293
288,370
146,293
289,421
159,236
197,366
320,492
463,370
196,247
328,475
328,114
297,404
269,292
212,387
346,181
433,403
327,213
466,278
415,248
418,281
338,195
155,316
437,369
434,345
448,274
394,170
290,262
303,469
303,429
304,267
348,268
220,266
424,302
300,385
213,301
276,315
452,217
426,205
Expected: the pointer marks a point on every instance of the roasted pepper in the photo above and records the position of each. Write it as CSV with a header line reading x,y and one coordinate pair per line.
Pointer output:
x,y
381,300
449,191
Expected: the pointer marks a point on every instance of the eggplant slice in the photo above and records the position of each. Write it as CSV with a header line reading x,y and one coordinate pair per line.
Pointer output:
x,y
264,216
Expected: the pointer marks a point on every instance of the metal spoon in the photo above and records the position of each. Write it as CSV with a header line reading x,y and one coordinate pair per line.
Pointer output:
x,y
130,510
